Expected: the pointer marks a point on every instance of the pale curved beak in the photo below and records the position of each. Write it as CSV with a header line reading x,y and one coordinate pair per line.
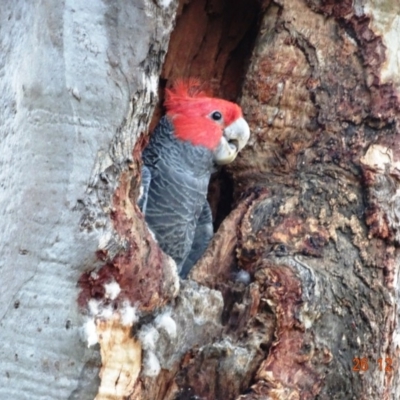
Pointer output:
x,y
234,138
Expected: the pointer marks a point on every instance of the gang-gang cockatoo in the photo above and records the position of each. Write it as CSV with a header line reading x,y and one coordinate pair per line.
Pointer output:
x,y
197,133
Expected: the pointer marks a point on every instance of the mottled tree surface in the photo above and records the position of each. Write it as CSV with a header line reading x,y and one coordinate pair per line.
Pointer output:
x,y
315,216
310,209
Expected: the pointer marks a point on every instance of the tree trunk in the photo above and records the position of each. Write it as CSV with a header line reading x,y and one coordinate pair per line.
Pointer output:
x,y
296,296
78,88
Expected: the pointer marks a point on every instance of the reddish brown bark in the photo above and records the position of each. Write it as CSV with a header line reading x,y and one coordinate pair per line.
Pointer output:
x,y
314,221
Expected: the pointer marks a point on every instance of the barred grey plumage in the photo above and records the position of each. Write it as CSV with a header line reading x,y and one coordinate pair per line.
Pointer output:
x,y
175,179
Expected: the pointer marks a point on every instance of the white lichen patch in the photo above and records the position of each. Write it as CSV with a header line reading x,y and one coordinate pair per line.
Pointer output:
x,y
124,315
204,303
151,366
128,314
106,312
193,321
94,307
112,290
165,322
148,336
377,157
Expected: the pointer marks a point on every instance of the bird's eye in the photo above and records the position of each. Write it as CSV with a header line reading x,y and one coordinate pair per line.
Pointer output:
x,y
216,116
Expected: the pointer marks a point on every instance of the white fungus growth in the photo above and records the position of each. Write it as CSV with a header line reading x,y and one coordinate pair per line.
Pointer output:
x,y
94,307
128,314
112,290
148,335
151,365
91,332
165,322
106,312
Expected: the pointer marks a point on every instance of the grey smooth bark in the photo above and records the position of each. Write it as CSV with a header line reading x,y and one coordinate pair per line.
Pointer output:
x,y
69,71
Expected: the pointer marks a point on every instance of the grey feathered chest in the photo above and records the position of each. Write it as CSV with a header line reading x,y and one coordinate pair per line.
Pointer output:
x,y
181,155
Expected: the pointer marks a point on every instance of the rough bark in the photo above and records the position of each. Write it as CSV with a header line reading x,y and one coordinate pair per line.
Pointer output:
x,y
320,235
316,215
300,279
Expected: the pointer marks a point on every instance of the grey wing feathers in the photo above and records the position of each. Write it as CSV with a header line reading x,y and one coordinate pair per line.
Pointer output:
x,y
202,237
175,203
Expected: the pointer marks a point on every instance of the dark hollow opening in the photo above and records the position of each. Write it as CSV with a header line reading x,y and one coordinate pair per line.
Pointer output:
x,y
212,41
